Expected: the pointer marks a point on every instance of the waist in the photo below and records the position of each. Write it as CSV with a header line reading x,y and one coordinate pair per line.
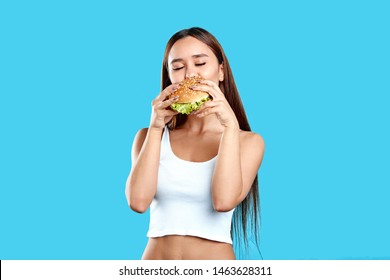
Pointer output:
x,y
192,219
176,247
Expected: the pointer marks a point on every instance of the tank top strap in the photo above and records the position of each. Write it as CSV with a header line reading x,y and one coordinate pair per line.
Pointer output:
x,y
165,144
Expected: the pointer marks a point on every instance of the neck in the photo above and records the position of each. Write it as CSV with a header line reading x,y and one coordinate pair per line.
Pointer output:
x,y
201,125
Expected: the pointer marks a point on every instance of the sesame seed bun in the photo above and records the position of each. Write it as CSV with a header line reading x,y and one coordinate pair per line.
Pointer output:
x,y
187,95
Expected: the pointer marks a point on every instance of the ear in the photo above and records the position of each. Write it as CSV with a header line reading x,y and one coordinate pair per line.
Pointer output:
x,y
220,72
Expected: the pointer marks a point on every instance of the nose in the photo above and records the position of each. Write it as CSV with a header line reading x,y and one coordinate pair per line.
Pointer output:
x,y
191,72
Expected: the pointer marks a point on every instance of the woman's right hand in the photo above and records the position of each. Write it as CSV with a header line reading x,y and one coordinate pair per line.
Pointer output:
x,y
161,112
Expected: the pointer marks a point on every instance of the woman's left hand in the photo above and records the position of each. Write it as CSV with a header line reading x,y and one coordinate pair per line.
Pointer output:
x,y
218,106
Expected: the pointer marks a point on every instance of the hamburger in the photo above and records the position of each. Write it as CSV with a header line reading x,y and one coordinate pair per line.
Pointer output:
x,y
189,100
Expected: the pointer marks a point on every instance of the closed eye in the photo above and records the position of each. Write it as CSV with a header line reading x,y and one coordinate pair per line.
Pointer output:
x,y
181,67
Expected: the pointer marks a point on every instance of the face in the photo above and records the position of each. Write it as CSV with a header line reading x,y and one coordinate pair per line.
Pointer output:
x,y
190,57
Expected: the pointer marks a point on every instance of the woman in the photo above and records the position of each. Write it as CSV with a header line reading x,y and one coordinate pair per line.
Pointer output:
x,y
194,170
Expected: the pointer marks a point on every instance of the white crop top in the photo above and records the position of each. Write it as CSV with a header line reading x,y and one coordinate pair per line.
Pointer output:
x,y
182,204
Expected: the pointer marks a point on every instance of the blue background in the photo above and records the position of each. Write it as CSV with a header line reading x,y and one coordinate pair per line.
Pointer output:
x,y
76,82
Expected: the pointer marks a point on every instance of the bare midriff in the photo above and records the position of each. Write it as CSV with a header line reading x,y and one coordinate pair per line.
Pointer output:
x,y
177,247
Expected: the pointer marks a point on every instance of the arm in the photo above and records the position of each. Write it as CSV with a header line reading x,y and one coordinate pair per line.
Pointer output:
x,y
142,181
141,185
239,158
239,154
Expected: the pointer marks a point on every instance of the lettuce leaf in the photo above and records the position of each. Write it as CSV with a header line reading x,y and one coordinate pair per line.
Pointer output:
x,y
187,108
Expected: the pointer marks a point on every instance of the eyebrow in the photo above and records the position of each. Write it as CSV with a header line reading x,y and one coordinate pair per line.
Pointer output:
x,y
194,56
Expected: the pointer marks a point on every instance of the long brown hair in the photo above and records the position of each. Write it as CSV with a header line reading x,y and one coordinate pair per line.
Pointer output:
x,y
249,208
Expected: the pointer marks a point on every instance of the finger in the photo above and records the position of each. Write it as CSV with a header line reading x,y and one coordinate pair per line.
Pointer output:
x,y
167,103
207,104
166,92
212,85
167,114
211,103
170,113
210,90
208,111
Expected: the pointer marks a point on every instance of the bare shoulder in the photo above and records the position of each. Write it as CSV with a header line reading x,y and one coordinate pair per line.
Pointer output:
x,y
141,135
252,140
252,152
139,140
